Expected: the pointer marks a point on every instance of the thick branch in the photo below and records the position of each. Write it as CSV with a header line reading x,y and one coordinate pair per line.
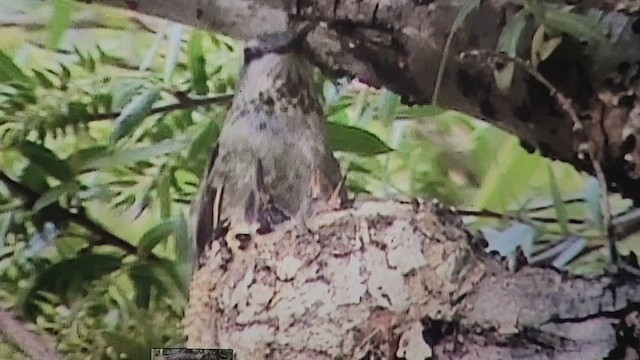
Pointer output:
x,y
29,342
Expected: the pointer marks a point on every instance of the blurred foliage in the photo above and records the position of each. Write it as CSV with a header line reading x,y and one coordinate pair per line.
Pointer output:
x,y
106,122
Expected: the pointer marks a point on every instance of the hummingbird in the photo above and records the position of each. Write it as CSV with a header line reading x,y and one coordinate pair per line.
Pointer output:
x,y
272,161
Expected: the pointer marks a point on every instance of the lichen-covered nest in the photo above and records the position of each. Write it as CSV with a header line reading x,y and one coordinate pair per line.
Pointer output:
x,y
356,286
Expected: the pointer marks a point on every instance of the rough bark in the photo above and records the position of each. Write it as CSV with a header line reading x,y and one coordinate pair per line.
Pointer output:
x,y
386,279
398,44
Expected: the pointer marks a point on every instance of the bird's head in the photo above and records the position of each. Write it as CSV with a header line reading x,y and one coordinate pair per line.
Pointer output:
x,y
277,43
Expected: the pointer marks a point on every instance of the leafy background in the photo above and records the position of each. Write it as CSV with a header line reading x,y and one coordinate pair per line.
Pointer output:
x,y
106,121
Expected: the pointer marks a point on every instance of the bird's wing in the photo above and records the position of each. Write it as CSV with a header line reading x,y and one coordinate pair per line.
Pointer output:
x,y
206,224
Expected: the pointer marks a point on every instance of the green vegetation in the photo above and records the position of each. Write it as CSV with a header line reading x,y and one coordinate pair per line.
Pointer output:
x,y
106,123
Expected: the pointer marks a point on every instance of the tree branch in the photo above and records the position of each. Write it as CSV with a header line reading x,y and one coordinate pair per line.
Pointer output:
x,y
30,343
105,237
184,103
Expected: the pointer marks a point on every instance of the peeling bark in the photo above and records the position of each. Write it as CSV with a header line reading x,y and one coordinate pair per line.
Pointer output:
x,y
389,280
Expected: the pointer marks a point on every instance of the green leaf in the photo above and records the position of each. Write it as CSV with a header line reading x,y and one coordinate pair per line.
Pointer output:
x,y
197,63
593,196
123,343
66,277
163,191
507,177
508,43
202,145
43,80
185,255
355,140
389,103
154,236
52,195
418,111
576,25
44,158
123,92
558,203
121,157
9,71
175,46
133,114
60,20
162,275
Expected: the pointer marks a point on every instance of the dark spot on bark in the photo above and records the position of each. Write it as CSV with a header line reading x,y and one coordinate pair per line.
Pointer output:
x,y
131,4
268,101
374,17
545,148
522,112
499,65
635,27
527,146
572,2
471,84
487,109
474,40
555,111
627,101
262,125
628,144
503,18
250,207
623,67
244,240
199,13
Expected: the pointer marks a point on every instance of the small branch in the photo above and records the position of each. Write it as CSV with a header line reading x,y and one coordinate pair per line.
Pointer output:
x,y
551,206
106,237
185,103
491,58
30,343
493,214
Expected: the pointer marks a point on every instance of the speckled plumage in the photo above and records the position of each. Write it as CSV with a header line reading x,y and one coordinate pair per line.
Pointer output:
x,y
272,155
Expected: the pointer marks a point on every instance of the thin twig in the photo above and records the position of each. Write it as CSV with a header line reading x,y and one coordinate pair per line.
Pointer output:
x,y
185,103
491,57
493,214
106,237
551,206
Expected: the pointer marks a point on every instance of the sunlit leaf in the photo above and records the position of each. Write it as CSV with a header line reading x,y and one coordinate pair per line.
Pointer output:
x,y
355,140
558,203
509,174
9,71
197,63
175,46
154,236
52,195
125,344
184,248
120,157
389,103
46,159
133,114
60,20
593,197
508,43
